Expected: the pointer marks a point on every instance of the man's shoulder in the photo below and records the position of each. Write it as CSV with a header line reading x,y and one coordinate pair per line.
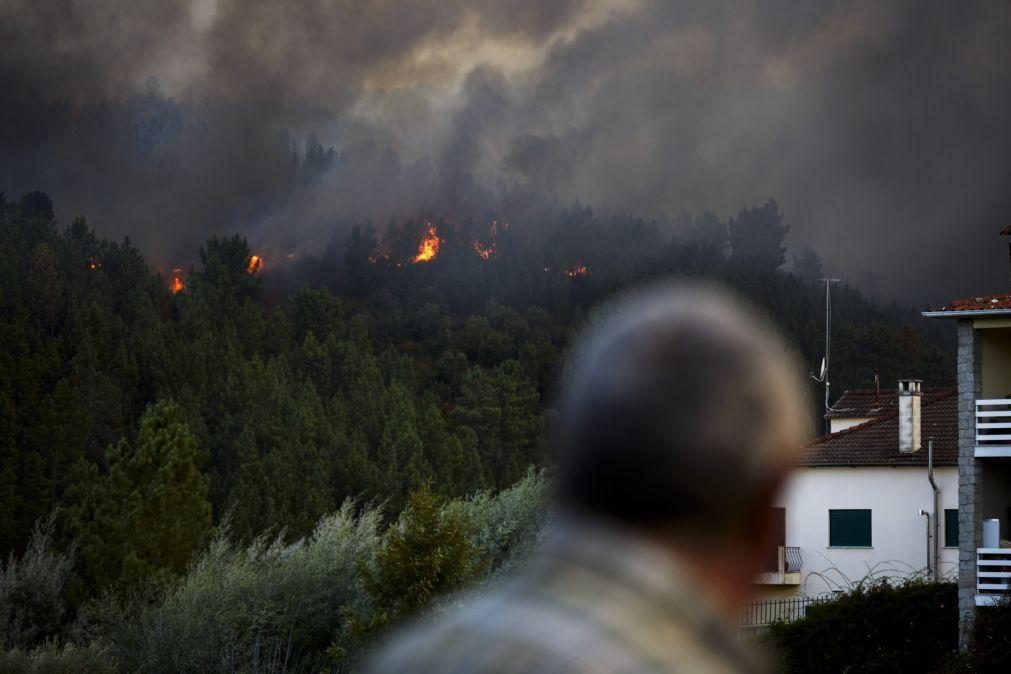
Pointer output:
x,y
590,603
506,631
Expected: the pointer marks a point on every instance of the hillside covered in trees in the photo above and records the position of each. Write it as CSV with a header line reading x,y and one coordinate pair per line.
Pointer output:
x,y
145,414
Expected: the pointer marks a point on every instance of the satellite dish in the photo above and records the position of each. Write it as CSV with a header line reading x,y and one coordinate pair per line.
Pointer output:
x,y
821,372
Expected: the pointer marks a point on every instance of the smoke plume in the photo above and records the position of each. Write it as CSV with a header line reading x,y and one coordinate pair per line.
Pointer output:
x,y
881,128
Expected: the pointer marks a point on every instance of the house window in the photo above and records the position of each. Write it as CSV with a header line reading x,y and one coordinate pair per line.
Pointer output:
x,y
849,528
951,528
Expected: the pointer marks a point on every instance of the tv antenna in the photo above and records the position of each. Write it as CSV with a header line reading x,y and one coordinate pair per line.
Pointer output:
x,y
822,376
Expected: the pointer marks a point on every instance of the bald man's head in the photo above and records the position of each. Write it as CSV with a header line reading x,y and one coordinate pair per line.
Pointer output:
x,y
682,409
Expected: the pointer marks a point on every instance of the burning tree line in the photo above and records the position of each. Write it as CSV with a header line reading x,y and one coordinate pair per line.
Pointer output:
x,y
394,249
402,246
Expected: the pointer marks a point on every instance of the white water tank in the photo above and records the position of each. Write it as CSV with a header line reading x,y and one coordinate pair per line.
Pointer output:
x,y
991,533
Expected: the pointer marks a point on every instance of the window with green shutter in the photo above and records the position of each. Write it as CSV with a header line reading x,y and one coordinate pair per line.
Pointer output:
x,y
951,528
849,528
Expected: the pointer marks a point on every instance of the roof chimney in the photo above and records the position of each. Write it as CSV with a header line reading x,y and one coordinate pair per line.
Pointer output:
x,y
877,386
909,415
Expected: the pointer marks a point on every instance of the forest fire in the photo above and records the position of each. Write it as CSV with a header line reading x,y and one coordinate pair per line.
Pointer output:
x,y
429,247
254,265
484,252
577,270
489,250
177,285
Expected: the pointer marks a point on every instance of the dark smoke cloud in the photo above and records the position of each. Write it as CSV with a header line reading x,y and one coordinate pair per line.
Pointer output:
x,y
881,128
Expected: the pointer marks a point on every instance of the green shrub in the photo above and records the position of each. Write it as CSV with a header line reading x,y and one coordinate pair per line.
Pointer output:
x,y
51,659
878,627
426,554
313,604
32,607
991,650
266,607
506,526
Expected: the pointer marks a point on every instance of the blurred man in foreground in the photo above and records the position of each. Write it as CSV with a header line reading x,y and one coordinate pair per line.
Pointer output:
x,y
678,422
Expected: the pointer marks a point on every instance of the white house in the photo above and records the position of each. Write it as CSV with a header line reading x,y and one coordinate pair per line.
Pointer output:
x,y
860,501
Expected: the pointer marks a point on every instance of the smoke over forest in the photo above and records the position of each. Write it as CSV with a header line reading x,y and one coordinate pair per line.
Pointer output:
x,y
880,128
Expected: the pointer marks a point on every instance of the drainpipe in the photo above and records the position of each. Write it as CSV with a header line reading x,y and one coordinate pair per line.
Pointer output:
x,y
933,485
924,513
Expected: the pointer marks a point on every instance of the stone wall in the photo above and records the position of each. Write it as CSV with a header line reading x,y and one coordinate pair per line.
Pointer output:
x,y
970,478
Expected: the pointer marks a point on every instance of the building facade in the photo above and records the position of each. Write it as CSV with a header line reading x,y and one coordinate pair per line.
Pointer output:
x,y
983,325
860,504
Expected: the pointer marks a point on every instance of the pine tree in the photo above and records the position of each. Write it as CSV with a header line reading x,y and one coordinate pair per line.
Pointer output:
x,y
62,426
361,246
807,264
150,513
425,554
46,292
456,466
400,457
757,235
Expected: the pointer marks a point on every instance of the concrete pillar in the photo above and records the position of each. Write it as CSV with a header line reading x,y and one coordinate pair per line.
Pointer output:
x,y
970,478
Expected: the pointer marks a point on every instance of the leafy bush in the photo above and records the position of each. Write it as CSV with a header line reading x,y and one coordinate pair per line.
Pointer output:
x,y
276,607
51,659
32,608
427,553
506,526
991,650
268,606
878,627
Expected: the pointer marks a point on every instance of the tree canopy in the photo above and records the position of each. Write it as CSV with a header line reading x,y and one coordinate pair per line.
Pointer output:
x,y
263,394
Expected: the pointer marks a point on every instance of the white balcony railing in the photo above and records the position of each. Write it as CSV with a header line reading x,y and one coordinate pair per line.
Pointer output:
x,y
993,576
993,427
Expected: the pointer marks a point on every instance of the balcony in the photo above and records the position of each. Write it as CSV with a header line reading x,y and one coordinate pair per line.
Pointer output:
x,y
789,563
993,428
993,576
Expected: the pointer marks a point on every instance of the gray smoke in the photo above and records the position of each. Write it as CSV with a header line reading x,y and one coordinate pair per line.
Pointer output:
x,y
880,127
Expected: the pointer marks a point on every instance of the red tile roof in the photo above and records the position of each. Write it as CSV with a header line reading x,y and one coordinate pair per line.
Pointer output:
x,y
984,303
867,403
876,443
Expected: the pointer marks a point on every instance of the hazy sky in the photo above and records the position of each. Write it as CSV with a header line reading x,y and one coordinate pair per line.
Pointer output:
x,y
882,128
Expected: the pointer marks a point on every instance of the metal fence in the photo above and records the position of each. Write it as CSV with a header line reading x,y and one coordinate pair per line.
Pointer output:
x,y
763,613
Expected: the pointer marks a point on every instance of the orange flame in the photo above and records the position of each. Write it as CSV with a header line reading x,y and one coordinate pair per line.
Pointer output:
x,y
94,265
578,270
429,247
177,284
254,265
484,252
